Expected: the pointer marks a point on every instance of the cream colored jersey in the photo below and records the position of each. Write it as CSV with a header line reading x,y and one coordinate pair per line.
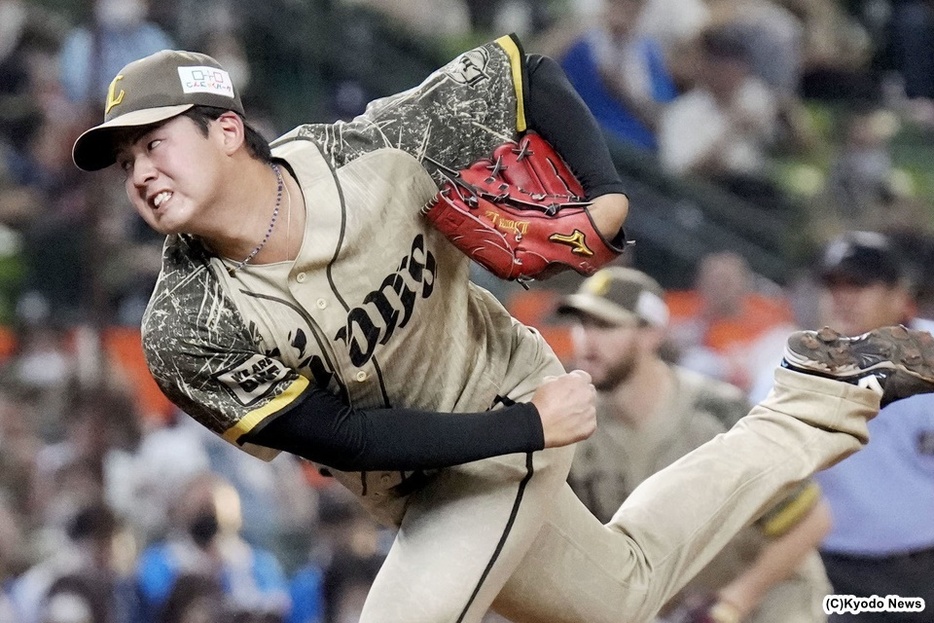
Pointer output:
x,y
377,306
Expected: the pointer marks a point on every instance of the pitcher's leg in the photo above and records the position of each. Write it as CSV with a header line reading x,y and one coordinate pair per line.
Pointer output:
x,y
463,536
678,519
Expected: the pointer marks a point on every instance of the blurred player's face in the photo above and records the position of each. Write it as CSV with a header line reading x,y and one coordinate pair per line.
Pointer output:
x,y
172,173
609,353
854,309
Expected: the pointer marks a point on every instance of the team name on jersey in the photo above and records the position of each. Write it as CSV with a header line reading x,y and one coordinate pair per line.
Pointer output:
x,y
390,306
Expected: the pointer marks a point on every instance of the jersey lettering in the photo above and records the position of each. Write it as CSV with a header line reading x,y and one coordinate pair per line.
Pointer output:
x,y
389,307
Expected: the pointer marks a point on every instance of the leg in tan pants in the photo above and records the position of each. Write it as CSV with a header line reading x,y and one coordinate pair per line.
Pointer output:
x,y
673,523
558,564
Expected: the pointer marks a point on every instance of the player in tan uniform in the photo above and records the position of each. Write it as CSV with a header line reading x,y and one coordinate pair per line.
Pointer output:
x,y
649,415
305,304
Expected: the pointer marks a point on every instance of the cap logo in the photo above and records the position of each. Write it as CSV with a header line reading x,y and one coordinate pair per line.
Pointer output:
x,y
206,80
112,97
653,309
599,284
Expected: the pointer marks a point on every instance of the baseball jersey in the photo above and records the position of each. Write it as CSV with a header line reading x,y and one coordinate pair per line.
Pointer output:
x,y
617,458
377,307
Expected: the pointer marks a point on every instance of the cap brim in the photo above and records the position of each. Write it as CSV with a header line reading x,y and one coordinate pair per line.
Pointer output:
x,y
95,148
597,307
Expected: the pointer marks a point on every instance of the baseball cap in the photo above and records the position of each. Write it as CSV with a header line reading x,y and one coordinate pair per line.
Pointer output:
x,y
618,295
153,89
861,257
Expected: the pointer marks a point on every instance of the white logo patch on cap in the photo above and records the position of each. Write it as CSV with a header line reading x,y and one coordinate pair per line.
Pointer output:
x,y
206,80
652,309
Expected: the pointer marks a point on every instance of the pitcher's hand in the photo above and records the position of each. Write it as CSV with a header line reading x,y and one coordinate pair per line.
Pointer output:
x,y
566,405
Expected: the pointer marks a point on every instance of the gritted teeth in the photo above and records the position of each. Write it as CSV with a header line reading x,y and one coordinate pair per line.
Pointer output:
x,y
161,198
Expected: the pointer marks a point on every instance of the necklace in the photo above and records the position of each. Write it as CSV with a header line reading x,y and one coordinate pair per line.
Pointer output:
x,y
272,224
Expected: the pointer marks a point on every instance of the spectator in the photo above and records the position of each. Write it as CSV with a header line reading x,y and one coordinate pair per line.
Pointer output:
x,y
78,598
651,413
91,55
835,52
621,74
882,542
346,555
772,36
205,539
87,557
912,51
194,598
722,128
29,38
859,182
676,25
731,324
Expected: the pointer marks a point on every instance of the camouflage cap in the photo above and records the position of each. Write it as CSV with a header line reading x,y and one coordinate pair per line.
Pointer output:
x,y
153,89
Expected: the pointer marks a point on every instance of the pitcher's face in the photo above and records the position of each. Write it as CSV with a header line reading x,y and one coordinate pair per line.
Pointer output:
x,y
172,172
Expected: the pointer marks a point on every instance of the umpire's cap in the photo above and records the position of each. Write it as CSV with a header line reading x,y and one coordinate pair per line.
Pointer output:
x,y
619,296
861,258
153,89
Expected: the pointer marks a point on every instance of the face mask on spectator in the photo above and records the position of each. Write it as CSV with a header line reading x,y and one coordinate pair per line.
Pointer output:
x,y
203,528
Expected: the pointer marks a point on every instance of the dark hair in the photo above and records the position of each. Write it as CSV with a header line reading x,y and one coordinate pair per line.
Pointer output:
x,y
256,144
95,521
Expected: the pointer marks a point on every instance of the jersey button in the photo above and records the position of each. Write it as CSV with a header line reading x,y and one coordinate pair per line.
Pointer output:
x,y
300,277
360,376
321,303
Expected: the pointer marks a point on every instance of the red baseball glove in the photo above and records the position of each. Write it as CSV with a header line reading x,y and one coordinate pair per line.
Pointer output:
x,y
520,214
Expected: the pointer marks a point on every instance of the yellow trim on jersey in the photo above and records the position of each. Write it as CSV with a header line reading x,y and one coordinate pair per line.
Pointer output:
x,y
249,421
516,62
784,518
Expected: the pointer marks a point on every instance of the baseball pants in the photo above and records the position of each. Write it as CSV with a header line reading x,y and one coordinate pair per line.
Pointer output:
x,y
509,533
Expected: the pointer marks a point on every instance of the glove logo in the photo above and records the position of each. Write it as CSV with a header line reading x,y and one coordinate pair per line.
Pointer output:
x,y
577,241
508,225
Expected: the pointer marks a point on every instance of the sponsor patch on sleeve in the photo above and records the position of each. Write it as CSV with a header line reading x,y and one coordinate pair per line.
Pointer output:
x,y
254,379
206,80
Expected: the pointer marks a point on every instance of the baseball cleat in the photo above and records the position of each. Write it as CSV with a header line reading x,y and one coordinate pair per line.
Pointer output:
x,y
895,362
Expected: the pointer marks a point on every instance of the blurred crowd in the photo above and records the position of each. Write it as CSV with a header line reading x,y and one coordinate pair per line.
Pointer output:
x,y
115,508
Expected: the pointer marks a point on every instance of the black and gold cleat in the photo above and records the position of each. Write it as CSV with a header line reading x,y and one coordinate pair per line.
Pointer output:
x,y
896,362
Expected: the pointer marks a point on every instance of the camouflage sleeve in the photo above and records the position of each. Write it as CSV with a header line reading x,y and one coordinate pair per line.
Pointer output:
x,y
457,115
205,359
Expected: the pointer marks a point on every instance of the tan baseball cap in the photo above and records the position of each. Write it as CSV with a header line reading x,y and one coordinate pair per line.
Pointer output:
x,y
153,89
619,296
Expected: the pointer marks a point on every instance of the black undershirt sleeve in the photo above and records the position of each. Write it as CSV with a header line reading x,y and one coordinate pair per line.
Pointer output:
x,y
557,112
324,430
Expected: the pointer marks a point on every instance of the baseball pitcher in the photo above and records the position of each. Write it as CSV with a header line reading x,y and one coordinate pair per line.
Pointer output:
x,y
315,299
